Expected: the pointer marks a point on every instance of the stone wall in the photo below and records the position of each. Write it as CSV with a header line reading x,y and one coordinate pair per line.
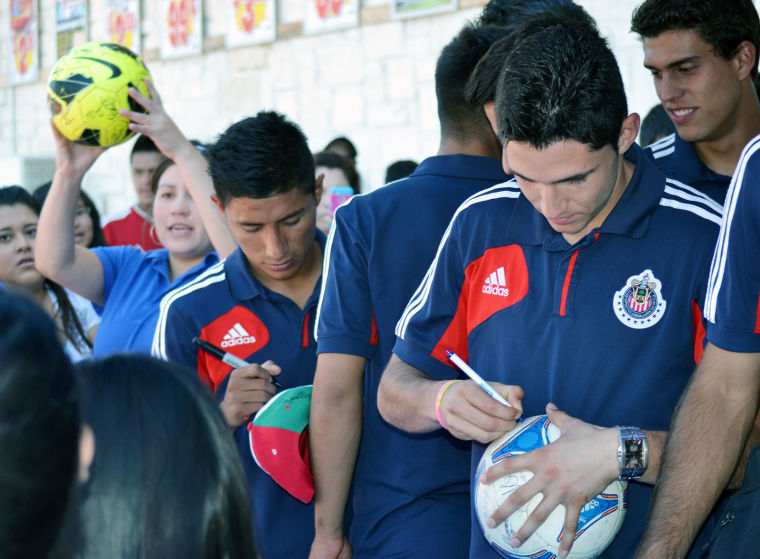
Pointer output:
x,y
372,83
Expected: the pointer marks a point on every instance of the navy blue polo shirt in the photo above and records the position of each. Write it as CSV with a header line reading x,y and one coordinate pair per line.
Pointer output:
x,y
404,503
231,309
678,160
134,282
608,328
733,295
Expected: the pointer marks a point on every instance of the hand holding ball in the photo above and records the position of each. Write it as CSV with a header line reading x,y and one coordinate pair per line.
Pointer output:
x,y
88,86
599,521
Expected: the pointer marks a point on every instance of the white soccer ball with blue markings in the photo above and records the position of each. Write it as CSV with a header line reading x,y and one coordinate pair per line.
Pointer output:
x,y
599,520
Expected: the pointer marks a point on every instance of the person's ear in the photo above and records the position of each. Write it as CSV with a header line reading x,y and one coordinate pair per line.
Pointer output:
x,y
86,453
318,192
215,199
505,160
744,59
628,132
489,107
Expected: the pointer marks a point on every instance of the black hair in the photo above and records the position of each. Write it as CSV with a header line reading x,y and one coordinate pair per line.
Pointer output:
x,y
72,328
655,125
481,86
333,160
560,82
259,157
513,12
400,169
342,146
166,480
40,425
143,144
98,239
722,25
460,120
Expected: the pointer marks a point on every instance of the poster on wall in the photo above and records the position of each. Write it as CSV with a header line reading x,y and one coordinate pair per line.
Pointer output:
x,y
326,15
250,22
123,23
25,53
70,24
182,28
412,8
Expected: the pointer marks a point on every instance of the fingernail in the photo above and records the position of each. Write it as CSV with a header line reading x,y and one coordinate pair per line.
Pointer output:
x,y
552,407
514,542
563,553
491,523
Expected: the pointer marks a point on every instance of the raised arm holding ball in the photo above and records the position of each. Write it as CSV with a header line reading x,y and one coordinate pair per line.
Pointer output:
x,y
127,282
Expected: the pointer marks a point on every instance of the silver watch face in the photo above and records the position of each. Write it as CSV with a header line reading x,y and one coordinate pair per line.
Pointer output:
x,y
633,454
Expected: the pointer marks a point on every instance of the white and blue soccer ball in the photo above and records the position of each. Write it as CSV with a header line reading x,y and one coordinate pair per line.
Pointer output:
x,y
599,521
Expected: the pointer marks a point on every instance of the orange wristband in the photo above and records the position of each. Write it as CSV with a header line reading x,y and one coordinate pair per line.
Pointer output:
x,y
438,399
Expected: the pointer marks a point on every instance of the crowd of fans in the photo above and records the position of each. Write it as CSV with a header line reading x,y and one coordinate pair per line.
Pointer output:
x,y
576,269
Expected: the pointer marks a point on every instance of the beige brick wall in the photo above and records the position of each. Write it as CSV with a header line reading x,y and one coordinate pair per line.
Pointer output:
x,y
373,83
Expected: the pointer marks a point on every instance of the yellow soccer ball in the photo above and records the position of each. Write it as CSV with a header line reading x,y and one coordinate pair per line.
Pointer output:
x,y
87,87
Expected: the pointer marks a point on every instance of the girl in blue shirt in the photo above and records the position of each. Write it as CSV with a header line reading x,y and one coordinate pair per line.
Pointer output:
x,y
126,282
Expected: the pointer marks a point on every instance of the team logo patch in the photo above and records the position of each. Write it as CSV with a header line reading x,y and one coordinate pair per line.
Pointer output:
x,y
639,304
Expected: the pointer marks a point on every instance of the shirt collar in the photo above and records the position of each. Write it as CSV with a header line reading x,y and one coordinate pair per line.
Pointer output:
x,y
143,214
691,169
159,260
459,165
629,217
242,283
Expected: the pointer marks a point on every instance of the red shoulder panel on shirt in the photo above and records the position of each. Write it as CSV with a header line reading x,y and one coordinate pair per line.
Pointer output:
x,y
239,332
493,282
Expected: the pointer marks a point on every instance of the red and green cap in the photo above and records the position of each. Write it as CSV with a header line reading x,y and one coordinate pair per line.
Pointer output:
x,y
279,440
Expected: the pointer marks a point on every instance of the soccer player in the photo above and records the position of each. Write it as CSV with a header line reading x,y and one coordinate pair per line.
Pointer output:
x,y
715,415
134,226
580,283
394,230
703,58
259,304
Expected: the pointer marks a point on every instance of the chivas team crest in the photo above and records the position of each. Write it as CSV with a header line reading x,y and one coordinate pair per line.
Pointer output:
x,y
639,304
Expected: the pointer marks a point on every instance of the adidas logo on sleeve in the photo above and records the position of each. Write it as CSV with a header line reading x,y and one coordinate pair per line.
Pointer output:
x,y
496,283
237,335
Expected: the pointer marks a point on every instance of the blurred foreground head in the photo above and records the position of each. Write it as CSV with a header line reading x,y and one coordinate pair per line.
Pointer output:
x,y
40,427
167,479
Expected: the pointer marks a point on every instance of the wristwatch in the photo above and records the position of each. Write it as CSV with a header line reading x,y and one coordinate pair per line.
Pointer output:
x,y
633,453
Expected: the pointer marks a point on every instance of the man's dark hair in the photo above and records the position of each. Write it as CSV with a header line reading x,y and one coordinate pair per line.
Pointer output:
x,y
143,144
481,86
560,82
721,24
458,119
513,12
259,157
